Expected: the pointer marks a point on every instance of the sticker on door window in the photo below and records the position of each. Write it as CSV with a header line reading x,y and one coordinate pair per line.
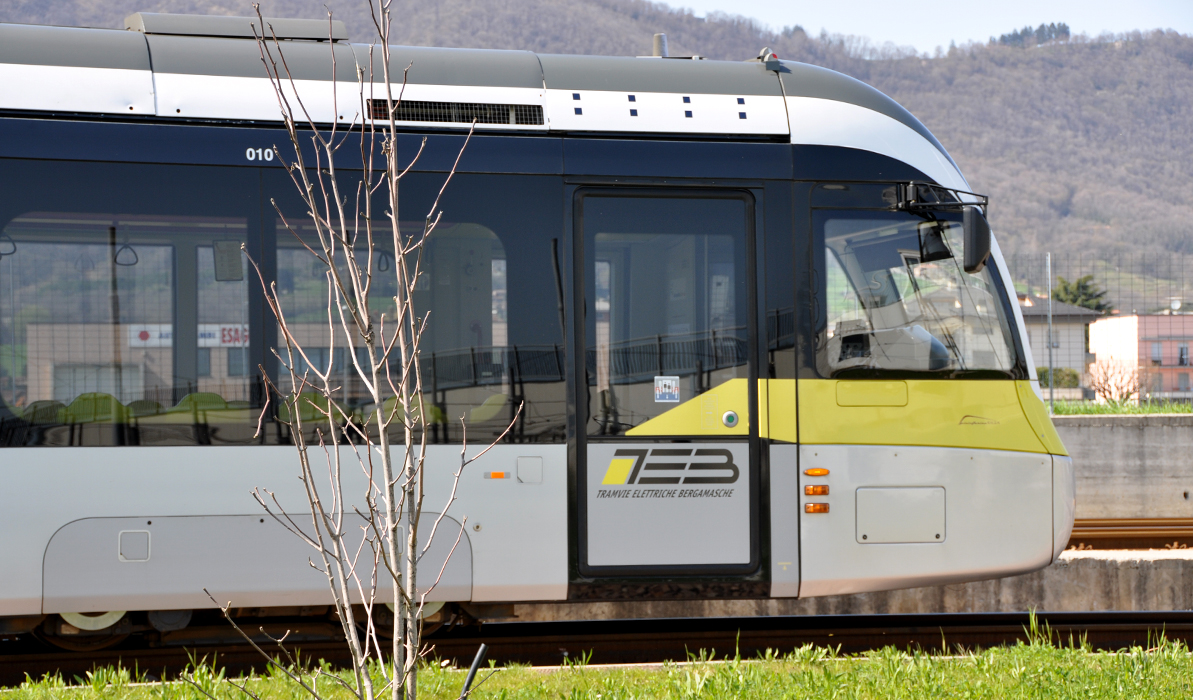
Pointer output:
x,y
666,389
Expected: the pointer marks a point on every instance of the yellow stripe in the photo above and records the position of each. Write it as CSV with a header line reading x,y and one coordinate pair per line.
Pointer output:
x,y
619,471
702,415
1041,423
986,414
776,408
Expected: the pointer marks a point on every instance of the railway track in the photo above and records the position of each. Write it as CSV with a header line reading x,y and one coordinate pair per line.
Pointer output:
x,y
640,641
1132,533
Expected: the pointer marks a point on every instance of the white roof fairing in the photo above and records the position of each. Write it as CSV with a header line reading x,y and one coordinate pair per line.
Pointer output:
x,y
167,74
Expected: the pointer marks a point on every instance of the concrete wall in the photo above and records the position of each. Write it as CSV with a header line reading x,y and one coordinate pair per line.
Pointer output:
x,y
1131,466
1079,581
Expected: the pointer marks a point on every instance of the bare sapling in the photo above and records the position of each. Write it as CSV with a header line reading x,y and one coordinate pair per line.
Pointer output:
x,y
368,543
1114,381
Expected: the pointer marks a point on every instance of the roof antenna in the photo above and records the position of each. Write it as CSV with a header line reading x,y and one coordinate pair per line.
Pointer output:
x,y
768,58
660,45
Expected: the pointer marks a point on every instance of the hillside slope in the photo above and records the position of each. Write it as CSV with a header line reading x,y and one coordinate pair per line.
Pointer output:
x,y
1084,145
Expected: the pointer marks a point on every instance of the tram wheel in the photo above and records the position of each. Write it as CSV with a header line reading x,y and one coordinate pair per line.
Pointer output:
x,y
97,631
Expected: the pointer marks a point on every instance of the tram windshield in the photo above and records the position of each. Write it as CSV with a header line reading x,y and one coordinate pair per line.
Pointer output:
x,y
898,299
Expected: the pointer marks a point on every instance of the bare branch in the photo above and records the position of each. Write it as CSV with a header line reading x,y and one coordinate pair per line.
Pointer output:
x,y
269,659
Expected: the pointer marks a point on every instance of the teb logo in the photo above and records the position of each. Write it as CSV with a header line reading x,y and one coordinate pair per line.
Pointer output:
x,y
702,466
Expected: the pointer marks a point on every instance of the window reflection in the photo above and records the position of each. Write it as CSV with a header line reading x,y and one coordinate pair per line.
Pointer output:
x,y
472,375
89,338
898,300
667,305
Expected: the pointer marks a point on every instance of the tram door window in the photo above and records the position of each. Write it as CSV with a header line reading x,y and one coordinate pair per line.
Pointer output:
x,y
494,339
114,300
666,308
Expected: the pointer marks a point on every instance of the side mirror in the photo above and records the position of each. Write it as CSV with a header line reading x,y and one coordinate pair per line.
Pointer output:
x,y
932,244
977,240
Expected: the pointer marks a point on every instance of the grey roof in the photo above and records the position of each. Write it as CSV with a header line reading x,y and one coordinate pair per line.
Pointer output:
x,y
190,55
627,74
70,46
208,48
801,79
1039,308
216,25
436,66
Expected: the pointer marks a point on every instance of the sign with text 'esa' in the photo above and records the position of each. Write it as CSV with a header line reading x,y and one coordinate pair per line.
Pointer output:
x,y
223,335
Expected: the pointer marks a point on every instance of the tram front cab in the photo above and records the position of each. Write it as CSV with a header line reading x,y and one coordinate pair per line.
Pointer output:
x,y
925,455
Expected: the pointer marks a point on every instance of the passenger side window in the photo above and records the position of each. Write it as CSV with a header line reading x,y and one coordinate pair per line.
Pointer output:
x,y
494,339
114,293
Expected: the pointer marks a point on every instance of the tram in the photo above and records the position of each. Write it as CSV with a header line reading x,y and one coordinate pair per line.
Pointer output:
x,y
764,341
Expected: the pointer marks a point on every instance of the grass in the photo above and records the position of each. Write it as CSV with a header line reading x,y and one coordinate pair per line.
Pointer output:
x,y
1091,408
1036,669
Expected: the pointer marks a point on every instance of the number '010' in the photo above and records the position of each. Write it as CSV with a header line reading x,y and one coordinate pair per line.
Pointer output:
x,y
259,154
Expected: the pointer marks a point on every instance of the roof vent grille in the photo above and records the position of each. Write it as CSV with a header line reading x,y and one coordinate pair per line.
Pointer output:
x,y
460,113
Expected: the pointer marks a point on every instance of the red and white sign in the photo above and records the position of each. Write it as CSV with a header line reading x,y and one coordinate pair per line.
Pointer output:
x,y
223,335
150,335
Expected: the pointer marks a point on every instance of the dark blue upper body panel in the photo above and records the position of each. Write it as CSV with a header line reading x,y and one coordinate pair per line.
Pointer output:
x,y
204,144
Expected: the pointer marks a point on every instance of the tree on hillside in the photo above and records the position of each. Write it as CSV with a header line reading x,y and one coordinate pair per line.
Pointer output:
x,y
1084,292
1034,37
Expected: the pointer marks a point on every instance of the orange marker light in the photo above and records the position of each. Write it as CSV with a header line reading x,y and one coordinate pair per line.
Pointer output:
x,y
821,490
498,475
816,472
815,507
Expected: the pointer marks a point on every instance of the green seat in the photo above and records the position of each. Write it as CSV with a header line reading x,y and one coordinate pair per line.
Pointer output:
x,y
95,407
434,414
45,412
312,407
201,401
144,407
490,409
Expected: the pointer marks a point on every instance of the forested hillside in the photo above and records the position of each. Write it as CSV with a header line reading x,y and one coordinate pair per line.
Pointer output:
x,y
1084,144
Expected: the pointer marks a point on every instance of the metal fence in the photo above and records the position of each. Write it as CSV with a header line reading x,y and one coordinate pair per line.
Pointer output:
x,y
1144,325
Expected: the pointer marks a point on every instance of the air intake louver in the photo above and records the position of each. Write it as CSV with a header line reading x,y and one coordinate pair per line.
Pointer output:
x,y
461,113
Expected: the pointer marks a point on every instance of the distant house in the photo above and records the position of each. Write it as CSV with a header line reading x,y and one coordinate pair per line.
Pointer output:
x,y
1157,345
1069,322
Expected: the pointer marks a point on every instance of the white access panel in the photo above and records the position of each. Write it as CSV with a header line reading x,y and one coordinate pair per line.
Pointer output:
x,y
900,515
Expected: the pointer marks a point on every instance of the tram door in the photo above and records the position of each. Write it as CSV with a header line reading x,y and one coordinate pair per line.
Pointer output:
x,y
665,480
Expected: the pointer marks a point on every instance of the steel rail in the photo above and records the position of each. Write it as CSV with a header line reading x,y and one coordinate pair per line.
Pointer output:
x,y
1094,528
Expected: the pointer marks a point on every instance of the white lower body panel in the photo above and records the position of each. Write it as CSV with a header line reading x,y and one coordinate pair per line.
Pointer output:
x,y
997,517
515,532
1064,503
